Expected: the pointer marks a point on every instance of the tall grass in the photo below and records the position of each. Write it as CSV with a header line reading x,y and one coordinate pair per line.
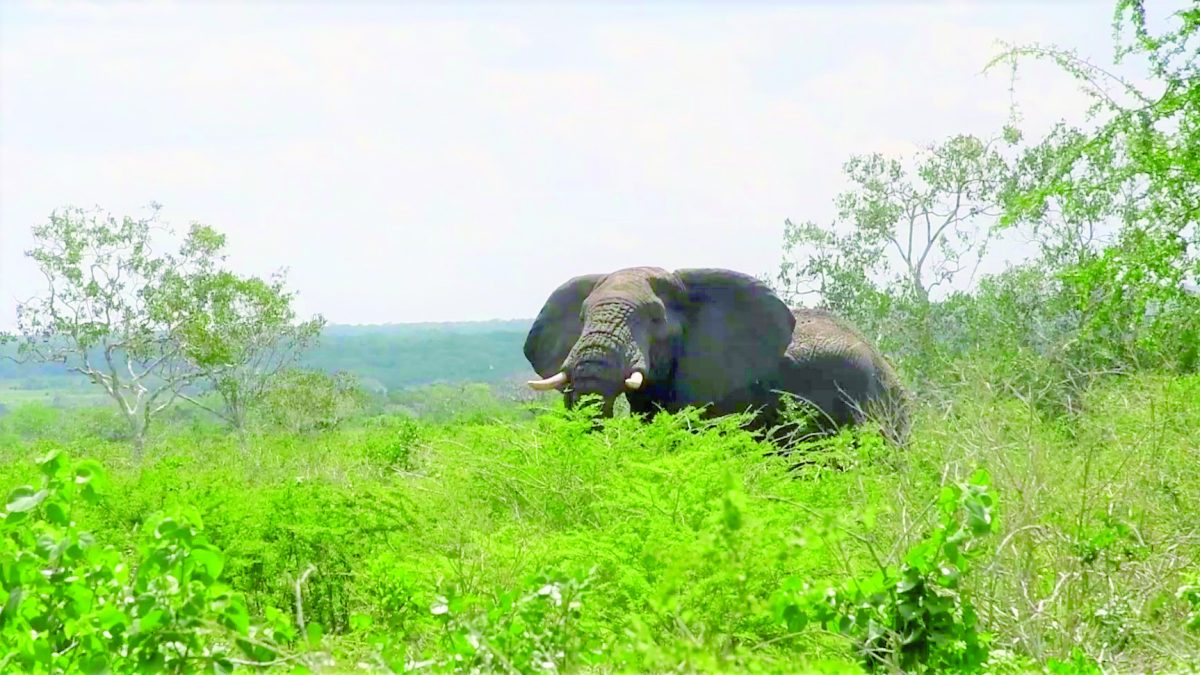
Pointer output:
x,y
516,544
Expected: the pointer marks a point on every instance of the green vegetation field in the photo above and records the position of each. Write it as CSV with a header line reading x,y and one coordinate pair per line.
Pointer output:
x,y
527,543
13,395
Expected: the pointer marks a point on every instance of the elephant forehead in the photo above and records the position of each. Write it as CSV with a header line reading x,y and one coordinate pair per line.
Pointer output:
x,y
637,287
637,275
627,287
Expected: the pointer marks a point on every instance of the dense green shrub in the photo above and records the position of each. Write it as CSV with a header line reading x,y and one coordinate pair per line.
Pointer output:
x,y
685,543
911,616
73,604
300,401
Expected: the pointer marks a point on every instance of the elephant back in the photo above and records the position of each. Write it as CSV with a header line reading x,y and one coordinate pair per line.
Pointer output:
x,y
820,333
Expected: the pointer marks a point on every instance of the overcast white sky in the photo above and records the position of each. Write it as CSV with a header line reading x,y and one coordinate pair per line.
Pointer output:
x,y
413,162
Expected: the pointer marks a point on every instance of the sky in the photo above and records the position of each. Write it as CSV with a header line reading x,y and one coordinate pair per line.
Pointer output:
x,y
412,161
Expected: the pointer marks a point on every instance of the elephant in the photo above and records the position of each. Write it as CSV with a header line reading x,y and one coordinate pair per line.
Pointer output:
x,y
712,338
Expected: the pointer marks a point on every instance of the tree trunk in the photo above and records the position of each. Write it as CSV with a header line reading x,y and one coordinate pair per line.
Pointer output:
x,y
139,441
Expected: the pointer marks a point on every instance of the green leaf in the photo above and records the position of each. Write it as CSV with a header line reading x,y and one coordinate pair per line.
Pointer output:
x,y
236,617
90,473
908,611
211,559
94,663
360,622
795,618
980,477
12,605
52,463
460,645
152,620
313,631
918,556
111,617
167,528
56,513
949,576
15,517
24,499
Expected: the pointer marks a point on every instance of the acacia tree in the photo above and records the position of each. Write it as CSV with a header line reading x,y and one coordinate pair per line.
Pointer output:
x,y
903,230
147,327
243,334
1137,167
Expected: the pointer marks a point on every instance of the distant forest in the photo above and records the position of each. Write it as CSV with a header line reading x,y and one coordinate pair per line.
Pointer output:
x,y
393,356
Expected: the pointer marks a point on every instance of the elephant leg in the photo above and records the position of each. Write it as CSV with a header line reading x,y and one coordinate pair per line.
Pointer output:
x,y
825,386
647,403
837,386
648,415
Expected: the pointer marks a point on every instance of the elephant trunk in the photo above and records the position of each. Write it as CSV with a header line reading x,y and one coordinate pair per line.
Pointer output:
x,y
607,359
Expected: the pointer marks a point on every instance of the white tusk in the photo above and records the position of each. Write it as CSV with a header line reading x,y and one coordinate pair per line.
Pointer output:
x,y
548,383
634,381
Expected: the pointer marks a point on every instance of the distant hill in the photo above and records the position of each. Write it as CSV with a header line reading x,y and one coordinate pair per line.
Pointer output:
x,y
431,327
392,355
404,355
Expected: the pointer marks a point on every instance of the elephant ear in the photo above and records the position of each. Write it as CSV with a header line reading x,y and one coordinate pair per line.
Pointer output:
x,y
737,331
557,326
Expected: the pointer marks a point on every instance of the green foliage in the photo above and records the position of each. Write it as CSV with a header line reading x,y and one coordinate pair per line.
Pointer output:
x,y
905,229
301,401
392,441
72,604
1133,310
1114,207
1144,141
535,629
107,311
913,616
477,402
37,421
682,544
32,421
459,533
242,333
148,327
1189,593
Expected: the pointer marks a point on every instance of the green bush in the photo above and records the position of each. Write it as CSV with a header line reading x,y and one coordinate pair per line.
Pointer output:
x,y
302,401
688,544
71,604
913,616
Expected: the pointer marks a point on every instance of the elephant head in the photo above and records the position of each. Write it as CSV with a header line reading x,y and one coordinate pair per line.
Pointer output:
x,y
664,339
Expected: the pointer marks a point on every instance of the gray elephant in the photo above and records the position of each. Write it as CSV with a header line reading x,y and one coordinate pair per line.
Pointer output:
x,y
711,338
